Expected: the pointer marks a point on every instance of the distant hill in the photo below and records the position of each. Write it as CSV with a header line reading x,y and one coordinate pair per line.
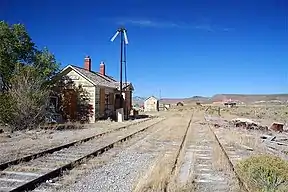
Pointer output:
x,y
251,98
261,98
140,100
185,100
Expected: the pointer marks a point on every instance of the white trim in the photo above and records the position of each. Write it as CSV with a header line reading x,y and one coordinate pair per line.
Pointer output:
x,y
69,66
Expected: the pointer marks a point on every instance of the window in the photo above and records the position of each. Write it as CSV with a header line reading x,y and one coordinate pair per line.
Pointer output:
x,y
53,103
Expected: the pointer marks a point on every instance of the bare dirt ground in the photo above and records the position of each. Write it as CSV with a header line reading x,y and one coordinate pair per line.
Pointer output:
x,y
20,143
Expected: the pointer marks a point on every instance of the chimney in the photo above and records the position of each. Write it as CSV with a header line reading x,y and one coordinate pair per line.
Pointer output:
x,y
102,68
87,63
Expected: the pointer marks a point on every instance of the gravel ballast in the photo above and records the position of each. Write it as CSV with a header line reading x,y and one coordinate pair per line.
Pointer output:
x,y
117,175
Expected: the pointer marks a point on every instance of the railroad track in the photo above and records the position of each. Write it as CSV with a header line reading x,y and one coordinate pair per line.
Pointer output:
x,y
179,152
202,173
28,172
242,184
58,148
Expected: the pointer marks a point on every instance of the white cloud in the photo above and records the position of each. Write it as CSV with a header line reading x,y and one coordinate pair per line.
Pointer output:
x,y
158,24
150,23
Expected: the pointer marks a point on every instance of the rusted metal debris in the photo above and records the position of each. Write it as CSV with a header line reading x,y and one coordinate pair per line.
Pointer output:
x,y
248,124
276,143
277,127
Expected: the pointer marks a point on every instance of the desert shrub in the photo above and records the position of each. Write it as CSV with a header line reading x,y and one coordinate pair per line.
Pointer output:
x,y
24,105
7,106
264,173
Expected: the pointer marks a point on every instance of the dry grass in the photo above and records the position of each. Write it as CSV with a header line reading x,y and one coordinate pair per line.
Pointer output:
x,y
242,138
272,113
160,177
220,161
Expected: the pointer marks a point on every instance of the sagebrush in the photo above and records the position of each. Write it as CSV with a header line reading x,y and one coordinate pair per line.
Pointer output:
x,y
24,105
265,173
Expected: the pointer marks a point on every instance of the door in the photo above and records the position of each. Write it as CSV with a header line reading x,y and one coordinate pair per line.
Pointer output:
x,y
70,104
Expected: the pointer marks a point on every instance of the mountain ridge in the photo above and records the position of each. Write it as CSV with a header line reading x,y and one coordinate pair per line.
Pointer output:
x,y
246,98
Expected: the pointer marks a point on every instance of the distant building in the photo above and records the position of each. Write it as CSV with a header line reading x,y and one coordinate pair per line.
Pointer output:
x,y
167,106
230,104
179,104
164,107
225,102
151,104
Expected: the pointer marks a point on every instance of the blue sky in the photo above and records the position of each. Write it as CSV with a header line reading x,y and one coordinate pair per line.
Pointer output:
x,y
183,47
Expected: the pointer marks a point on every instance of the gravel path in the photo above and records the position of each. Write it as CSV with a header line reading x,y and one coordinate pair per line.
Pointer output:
x,y
26,143
123,171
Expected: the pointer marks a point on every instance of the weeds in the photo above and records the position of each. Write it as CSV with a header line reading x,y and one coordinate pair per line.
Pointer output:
x,y
265,173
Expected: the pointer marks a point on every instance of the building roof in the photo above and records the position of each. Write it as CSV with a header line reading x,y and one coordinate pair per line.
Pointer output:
x,y
151,97
98,79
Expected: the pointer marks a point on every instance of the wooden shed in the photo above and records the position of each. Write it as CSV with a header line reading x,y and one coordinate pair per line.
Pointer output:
x,y
151,104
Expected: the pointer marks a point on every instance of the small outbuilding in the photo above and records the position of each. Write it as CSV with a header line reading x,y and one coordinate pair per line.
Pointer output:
x,y
151,104
230,104
179,104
